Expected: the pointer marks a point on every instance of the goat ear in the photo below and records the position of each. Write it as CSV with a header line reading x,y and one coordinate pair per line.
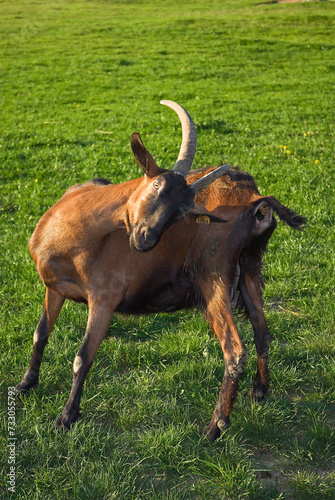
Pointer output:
x,y
143,157
203,216
263,214
286,214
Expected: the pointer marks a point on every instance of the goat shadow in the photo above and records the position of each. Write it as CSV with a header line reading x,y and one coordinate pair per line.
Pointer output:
x,y
144,328
218,125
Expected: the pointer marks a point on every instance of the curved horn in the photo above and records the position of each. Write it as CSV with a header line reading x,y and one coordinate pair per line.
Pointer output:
x,y
206,180
189,142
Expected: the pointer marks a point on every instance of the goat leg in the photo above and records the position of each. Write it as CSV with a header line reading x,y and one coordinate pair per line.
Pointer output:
x,y
251,293
221,416
99,319
52,306
222,322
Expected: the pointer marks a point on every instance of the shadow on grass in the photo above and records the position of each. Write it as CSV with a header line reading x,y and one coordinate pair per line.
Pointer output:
x,y
143,328
216,125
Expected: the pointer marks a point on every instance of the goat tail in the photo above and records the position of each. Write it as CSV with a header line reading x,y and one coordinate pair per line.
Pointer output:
x,y
287,215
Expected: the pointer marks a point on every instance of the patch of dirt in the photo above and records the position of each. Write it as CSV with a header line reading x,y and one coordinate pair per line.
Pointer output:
x,y
270,471
274,471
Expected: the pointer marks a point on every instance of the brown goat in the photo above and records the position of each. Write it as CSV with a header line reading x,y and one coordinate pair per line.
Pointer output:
x,y
80,255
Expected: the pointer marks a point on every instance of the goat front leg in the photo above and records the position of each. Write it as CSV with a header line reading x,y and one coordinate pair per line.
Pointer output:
x,y
99,319
251,293
222,322
52,306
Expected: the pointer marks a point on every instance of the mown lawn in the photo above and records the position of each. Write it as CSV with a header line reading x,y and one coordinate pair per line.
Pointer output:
x,y
78,77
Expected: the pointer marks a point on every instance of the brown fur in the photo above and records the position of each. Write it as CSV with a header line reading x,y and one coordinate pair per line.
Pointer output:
x,y
81,253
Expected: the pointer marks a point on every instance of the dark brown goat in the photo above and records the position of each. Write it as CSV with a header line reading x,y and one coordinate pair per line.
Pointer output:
x,y
208,265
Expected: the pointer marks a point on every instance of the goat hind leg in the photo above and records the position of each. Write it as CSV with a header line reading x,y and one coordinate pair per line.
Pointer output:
x,y
251,293
98,322
52,306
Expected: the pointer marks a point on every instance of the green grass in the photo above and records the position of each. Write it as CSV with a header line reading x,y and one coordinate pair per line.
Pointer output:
x,y
255,78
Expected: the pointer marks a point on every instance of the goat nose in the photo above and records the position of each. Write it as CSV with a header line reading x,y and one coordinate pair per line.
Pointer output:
x,y
142,240
144,236
148,237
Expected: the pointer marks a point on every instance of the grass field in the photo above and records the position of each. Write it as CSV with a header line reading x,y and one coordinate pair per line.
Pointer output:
x,y
78,77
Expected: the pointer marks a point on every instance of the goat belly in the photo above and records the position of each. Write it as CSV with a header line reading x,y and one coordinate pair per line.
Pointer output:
x,y
167,297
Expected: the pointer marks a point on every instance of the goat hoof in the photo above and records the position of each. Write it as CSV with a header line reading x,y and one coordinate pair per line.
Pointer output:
x,y
223,424
259,392
65,422
212,432
60,427
23,388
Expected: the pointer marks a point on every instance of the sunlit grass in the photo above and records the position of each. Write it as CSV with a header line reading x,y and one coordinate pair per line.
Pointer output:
x,y
77,79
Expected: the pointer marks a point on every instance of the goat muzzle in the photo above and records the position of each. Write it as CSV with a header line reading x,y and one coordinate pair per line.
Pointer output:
x,y
143,239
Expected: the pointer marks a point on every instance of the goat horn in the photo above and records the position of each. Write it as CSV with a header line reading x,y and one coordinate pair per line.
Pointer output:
x,y
189,142
206,180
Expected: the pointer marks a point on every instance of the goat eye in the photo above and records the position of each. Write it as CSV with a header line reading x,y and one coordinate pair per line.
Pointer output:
x,y
155,184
